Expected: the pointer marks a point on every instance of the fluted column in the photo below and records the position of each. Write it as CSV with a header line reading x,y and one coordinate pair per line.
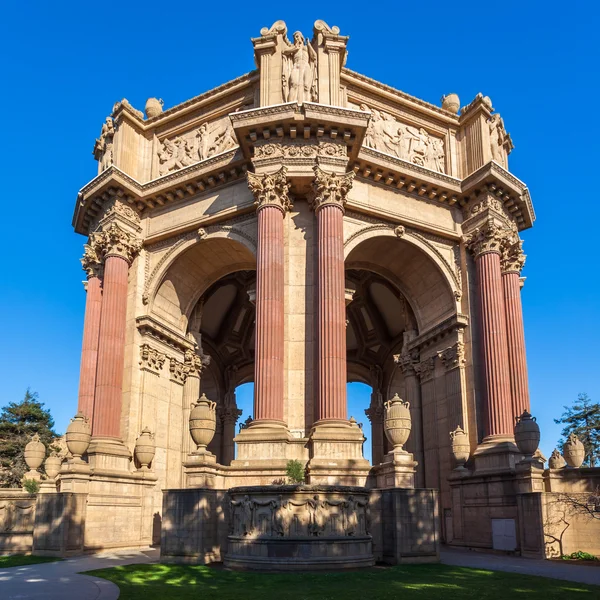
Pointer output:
x,y
119,248
330,192
513,260
271,195
91,328
486,243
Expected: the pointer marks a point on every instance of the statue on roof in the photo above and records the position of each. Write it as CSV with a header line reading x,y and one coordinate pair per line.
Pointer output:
x,y
299,77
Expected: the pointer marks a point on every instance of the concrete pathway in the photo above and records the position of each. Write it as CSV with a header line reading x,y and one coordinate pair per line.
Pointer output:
x,y
61,581
526,566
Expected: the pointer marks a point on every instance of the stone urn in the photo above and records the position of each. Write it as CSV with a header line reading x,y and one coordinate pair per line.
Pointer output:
x,y
527,434
461,448
145,448
154,106
556,460
78,436
52,466
35,453
397,421
451,103
573,451
203,422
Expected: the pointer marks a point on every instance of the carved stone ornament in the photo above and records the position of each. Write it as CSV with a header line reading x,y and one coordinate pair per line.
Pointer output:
x,y
91,262
330,189
500,142
150,359
195,146
299,78
512,258
103,148
413,144
453,357
270,190
301,149
194,362
115,241
426,368
489,237
177,370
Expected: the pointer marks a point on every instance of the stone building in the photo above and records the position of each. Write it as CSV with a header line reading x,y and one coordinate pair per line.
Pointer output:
x,y
300,227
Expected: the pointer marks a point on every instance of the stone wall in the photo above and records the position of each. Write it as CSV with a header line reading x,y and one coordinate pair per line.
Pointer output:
x,y
17,517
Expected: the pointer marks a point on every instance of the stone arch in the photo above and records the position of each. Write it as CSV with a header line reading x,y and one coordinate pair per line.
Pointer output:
x,y
194,264
412,264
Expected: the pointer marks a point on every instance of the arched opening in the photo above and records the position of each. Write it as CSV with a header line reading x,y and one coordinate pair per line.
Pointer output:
x,y
359,398
244,395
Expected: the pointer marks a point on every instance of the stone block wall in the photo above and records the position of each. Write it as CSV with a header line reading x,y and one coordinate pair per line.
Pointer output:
x,y
17,516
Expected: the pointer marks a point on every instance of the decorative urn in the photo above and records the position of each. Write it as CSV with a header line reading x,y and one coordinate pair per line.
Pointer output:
x,y
52,466
78,436
397,421
573,451
154,106
35,452
145,448
461,448
527,434
556,460
451,103
203,422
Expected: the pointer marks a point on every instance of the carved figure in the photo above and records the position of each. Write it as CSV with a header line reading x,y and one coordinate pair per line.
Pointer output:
x,y
351,507
497,138
316,520
103,149
203,141
300,71
247,513
281,512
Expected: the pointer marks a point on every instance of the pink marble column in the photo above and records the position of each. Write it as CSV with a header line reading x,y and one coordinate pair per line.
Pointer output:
x,y
271,194
89,347
120,247
329,200
512,264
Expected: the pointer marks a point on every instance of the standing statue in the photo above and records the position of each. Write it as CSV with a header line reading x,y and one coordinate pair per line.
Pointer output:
x,y
203,141
246,518
316,521
497,136
299,71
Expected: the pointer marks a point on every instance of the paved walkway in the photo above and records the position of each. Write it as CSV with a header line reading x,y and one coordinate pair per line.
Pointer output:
x,y
525,566
60,580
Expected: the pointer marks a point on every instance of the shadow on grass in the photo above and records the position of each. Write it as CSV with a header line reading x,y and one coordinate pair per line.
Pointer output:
x,y
20,560
421,582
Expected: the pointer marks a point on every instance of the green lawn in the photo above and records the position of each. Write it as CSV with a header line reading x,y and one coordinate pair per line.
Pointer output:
x,y
19,560
419,582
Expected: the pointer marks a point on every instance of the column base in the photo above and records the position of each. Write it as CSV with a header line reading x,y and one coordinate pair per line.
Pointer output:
x,y
397,470
200,470
262,441
336,454
108,453
75,476
496,453
49,486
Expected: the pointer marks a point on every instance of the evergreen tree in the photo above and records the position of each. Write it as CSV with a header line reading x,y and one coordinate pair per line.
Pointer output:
x,y
583,419
18,422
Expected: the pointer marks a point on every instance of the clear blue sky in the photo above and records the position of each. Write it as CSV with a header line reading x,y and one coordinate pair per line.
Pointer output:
x,y
65,64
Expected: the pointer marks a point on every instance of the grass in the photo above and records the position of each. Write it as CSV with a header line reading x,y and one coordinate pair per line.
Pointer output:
x,y
411,582
20,560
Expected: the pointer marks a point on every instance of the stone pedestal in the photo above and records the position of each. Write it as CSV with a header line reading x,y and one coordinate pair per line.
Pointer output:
x,y
496,455
398,470
200,470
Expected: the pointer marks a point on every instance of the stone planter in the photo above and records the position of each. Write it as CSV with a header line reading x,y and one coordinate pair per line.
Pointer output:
x,y
154,106
527,434
35,452
461,448
52,466
203,422
78,436
573,451
451,103
556,460
397,421
145,448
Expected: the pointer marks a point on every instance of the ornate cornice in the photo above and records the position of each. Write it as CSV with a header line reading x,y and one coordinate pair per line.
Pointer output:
x,y
270,190
453,357
489,236
330,189
115,241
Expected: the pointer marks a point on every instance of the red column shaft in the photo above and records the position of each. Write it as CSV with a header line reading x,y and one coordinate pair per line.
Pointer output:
x,y
269,332
515,332
332,315
89,347
498,410
111,349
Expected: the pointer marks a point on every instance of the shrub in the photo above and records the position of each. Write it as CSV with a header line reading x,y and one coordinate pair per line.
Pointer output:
x,y
31,486
294,471
580,556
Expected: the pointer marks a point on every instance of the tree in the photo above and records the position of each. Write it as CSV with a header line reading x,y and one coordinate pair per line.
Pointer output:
x,y
18,422
583,419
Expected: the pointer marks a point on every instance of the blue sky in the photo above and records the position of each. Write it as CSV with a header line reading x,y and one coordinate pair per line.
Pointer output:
x,y
65,64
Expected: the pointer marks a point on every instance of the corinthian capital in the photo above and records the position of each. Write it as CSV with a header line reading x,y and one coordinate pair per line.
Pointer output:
x,y
513,259
115,241
489,237
194,363
91,262
453,357
270,190
330,189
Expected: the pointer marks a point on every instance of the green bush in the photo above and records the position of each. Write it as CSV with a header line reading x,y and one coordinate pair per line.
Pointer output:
x,y
31,486
294,471
580,556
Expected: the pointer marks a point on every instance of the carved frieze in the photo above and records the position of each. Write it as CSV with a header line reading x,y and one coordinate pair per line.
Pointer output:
x,y
150,359
453,357
413,144
301,149
187,149
270,190
330,189
16,516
